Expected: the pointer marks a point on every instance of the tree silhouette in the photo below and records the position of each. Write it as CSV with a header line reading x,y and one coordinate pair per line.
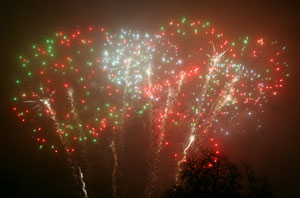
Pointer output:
x,y
211,175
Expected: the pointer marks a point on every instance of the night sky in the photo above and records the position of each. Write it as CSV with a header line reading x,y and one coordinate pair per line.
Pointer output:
x,y
274,150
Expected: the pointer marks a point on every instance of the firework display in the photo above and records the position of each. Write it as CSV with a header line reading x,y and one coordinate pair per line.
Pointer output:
x,y
185,82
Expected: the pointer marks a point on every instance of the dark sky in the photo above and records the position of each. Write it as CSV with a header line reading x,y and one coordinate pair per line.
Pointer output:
x,y
274,150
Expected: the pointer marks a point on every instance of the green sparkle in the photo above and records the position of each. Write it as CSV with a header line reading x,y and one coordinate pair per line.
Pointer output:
x,y
89,63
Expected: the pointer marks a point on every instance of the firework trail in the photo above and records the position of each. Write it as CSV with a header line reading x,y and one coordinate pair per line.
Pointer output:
x,y
83,183
223,99
46,105
172,96
84,151
115,167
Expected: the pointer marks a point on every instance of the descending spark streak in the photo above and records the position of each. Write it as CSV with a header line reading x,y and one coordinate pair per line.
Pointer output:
x,y
70,92
218,105
224,97
77,173
216,61
72,162
74,110
149,74
192,139
83,183
115,168
121,129
172,96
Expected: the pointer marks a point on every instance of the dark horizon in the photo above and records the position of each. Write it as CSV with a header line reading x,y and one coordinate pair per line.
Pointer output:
x,y
274,150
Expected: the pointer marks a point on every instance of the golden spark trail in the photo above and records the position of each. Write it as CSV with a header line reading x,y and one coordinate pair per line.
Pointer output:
x,y
172,96
77,174
216,61
76,116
